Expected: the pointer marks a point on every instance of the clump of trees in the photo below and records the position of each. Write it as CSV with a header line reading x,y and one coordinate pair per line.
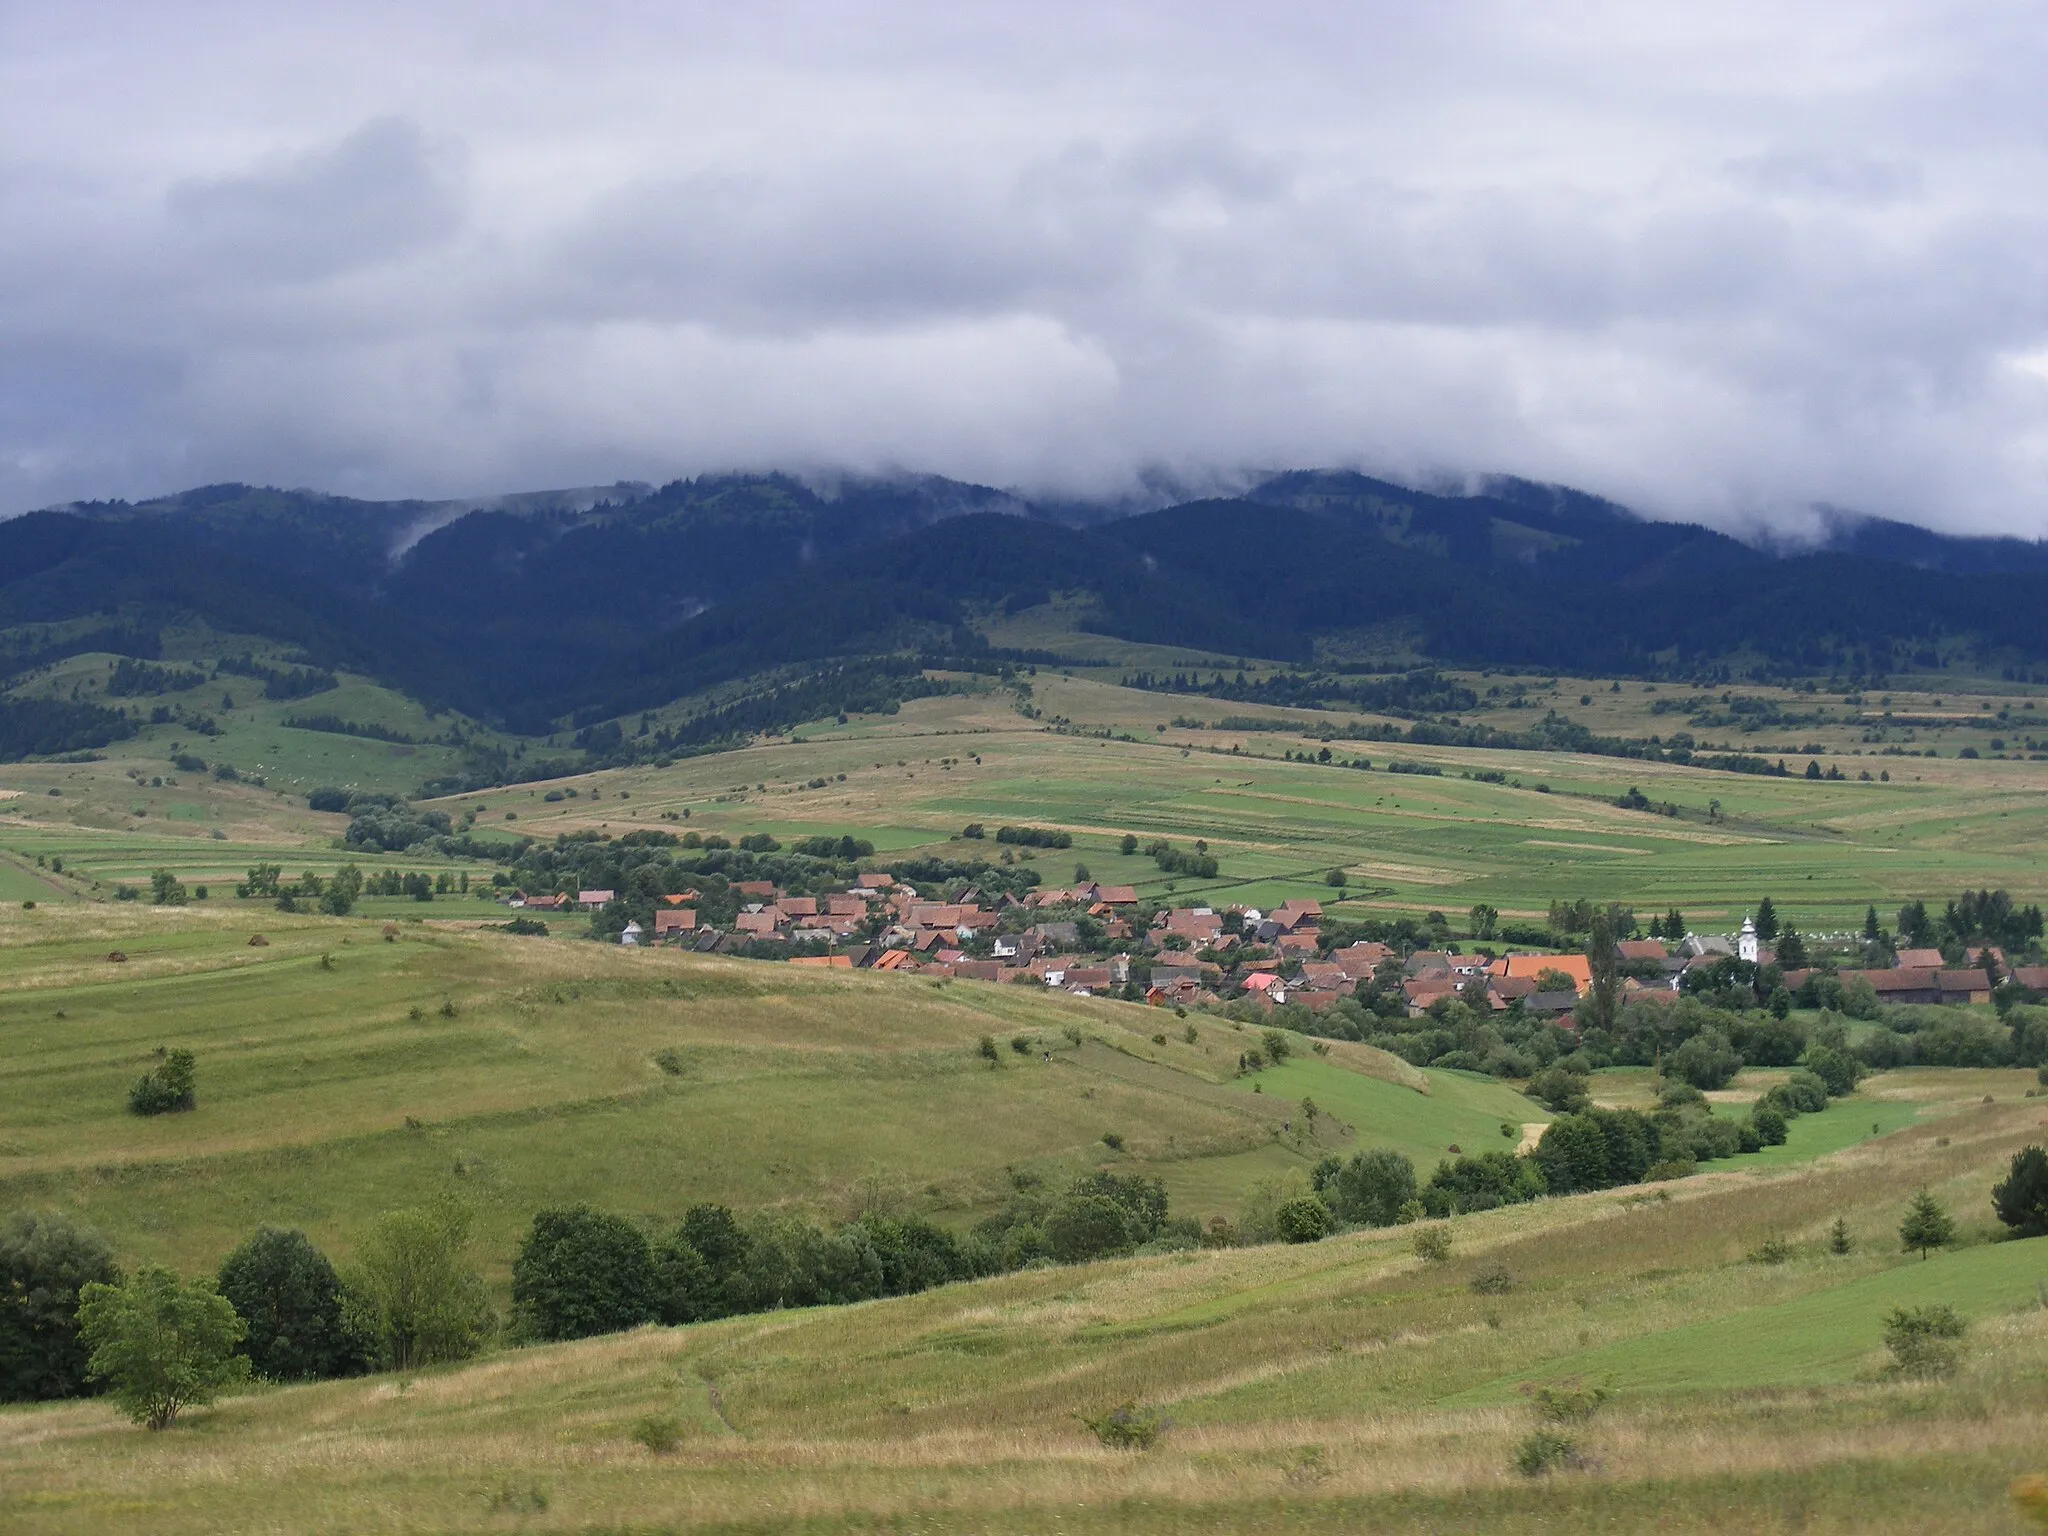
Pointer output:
x,y
46,1261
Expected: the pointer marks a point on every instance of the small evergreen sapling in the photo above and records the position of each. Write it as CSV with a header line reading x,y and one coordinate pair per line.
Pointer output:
x,y
1927,1226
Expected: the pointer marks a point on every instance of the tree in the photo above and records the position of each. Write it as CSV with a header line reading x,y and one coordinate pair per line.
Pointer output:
x,y
1915,930
1485,921
1924,1341
161,1346
1791,950
1603,959
170,1085
1087,1226
339,899
45,1261
582,1272
423,1302
2020,1199
288,1294
1674,926
166,889
1129,845
1872,933
1927,1226
1278,1044
1372,1187
1766,921
1770,1125
1837,1068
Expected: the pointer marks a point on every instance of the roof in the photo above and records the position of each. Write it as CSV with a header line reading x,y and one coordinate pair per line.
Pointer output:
x,y
1575,966
799,906
2033,977
1902,979
594,898
1117,895
1261,981
1963,981
825,962
892,960
1919,960
1642,949
675,921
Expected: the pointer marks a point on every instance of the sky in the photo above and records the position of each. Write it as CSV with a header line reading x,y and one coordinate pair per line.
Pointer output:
x,y
1733,263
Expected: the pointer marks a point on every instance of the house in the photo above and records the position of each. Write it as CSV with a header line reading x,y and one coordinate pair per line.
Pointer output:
x,y
758,890
1550,1004
798,906
1505,991
546,903
630,934
1299,943
1325,977
1266,987
1174,975
590,901
1640,951
1006,946
1291,915
851,904
759,923
1422,993
1116,895
1427,962
1088,979
2033,977
675,921
1533,966
894,960
1918,960
824,962
977,970
1055,935
1362,959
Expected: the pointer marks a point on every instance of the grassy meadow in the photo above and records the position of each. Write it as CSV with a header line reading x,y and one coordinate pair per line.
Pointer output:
x,y
1338,1386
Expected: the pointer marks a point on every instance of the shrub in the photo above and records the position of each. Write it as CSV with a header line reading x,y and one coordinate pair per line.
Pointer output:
x,y
285,1289
1770,1126
660,1433
1558,1090
582,1272
160,1345
1113,1141
1127,1427
1278,1045
1433,1244
1835,1068
1772,1250
988,1052
46,1260
1707,1060
1570,1403
169,1086
1925,1342
1493,1278
2020,1199
1021,1044
1304,1219
1546,1451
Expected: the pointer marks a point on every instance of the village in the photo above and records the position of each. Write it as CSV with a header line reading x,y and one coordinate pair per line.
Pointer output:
x,y
1102,940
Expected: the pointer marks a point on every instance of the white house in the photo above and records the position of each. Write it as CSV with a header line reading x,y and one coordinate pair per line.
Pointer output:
x,y
630,934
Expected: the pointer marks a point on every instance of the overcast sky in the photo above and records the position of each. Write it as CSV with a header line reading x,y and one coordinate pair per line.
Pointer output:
x,y
1724,261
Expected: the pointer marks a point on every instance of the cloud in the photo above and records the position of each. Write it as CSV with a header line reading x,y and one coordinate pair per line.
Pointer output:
x,y
1730,264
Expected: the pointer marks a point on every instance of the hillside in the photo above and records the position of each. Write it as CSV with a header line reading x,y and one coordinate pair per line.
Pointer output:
x,y
531,612
1336,1386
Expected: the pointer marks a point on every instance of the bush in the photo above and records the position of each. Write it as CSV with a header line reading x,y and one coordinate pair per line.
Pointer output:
x,y
1769,1125
1837,1069
1926,1343
1546,1451
660,1433
1772,1250
1304,1219
2020,1199
1493,1279
169,1086
582,1272
46,1260
1433,1244
285,1289
1707,1060
1127,1427
1558,1090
